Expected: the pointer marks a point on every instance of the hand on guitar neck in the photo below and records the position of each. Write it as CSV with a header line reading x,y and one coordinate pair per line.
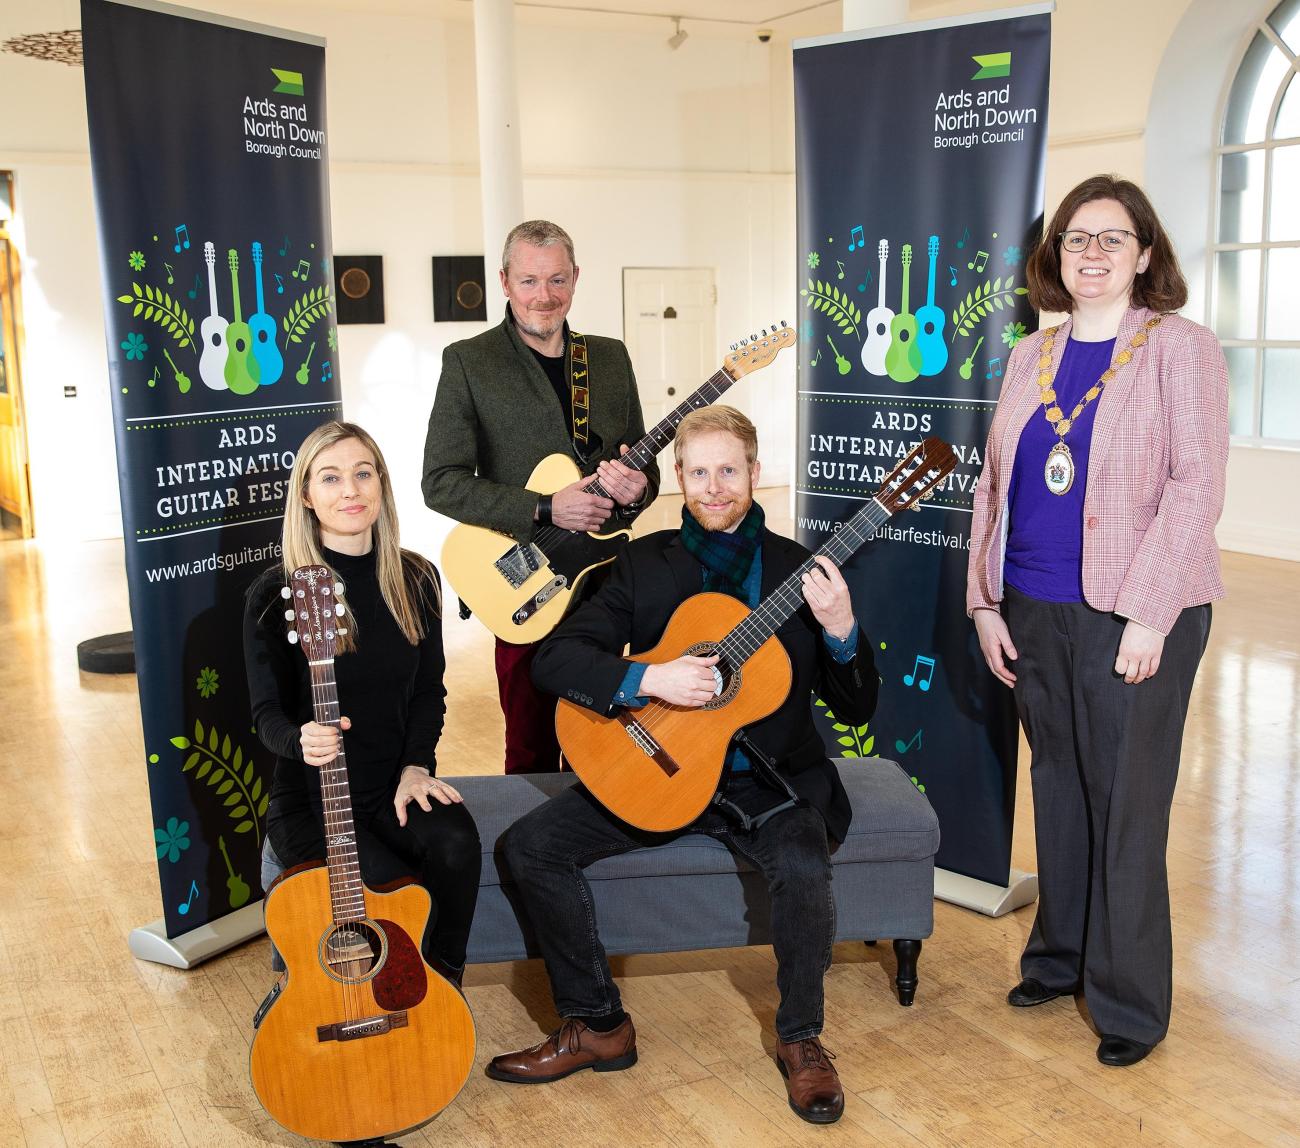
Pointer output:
x,y
622,483
827,595
573,508
321,743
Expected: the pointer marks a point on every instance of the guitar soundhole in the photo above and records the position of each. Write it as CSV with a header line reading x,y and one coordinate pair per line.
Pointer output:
x,y
728,678
353,952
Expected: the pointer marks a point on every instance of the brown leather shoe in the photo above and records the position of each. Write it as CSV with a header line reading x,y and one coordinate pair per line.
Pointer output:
x,y
571,1047
811,1080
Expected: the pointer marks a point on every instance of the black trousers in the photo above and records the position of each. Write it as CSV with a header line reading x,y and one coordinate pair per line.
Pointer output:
x,y
1104,764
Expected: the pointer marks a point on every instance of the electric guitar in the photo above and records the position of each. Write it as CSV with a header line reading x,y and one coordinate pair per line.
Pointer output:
x,y
521,590
242,372
212,362
901,359
879,319
270,363
657,767
364,1040
929,319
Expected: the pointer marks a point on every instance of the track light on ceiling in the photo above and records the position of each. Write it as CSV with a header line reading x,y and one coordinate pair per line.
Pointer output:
x,y
678,38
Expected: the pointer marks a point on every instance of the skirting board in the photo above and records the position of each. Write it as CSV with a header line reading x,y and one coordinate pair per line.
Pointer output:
x,y
151,943
991,900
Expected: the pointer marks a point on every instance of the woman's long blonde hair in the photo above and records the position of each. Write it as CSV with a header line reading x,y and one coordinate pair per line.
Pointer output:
x,y
404,578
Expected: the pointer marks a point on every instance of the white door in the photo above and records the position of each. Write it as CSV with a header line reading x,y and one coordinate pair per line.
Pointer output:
x,y
668,325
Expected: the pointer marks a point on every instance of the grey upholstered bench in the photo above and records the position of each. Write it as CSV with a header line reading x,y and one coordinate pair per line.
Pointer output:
x,y
693,894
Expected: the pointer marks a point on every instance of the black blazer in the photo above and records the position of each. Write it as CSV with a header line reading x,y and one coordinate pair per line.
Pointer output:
x,y
653,575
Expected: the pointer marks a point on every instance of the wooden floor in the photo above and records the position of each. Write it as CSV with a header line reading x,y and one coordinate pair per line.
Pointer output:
x,y
99,1048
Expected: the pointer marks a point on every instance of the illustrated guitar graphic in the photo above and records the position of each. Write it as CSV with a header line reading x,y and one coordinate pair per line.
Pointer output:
x,y
236,886
212,362
841,363
303,373
270,363
520,590
901,360
242,373
657,767
182,379
929,320
878,320
966,368
364,1040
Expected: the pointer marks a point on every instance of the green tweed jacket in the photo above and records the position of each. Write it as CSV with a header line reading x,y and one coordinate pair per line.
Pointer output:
x,y
496,416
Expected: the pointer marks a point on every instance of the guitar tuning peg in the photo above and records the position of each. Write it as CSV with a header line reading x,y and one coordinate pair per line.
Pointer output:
x,y
288,615
338,610
338,587
341,631
764,332
753,338
285,592
293,637
735,346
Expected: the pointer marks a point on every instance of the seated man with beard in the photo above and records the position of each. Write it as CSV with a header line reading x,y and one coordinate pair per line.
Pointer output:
x,y
779,802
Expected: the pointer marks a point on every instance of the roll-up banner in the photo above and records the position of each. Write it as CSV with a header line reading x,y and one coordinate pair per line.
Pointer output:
x,y
919,165
209,158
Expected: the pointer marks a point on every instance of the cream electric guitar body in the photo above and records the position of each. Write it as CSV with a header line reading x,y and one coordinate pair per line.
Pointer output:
x,y
520,591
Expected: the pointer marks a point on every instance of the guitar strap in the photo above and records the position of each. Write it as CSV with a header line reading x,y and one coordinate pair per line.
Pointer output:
x,y
579,390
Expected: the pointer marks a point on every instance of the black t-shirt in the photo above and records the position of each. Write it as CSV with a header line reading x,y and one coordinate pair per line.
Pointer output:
x,y
555,369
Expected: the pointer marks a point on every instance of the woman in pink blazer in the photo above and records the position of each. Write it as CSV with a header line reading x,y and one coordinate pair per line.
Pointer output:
x,y
1092,566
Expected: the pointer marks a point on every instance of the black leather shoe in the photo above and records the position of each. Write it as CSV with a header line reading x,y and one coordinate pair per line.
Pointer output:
x,y
1030,992
1120,1052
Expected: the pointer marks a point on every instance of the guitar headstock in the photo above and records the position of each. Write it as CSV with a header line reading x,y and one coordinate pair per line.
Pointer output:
x,y
210,253
257,253
232,257
883,249
755,352
917,476
933,247
314,610
907,255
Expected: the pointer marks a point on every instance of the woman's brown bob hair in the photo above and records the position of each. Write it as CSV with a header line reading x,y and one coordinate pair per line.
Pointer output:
x,y
1161,287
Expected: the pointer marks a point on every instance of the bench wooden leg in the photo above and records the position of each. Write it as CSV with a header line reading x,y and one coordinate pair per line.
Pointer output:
x,y
907,953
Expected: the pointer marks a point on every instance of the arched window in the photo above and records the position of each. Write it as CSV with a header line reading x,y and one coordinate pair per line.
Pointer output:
x,y
1256,249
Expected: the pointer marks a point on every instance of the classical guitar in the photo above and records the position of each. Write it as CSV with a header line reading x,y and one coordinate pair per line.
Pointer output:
x,y
657,767
901,361
242,372
879,319
364,1040
212,362
520,590
270,363
929,321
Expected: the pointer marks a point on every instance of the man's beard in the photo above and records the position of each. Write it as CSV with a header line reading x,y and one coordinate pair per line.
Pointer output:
x,y
719,520
539,332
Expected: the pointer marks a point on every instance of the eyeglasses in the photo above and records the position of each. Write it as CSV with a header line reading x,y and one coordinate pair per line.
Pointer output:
x,y
1112,240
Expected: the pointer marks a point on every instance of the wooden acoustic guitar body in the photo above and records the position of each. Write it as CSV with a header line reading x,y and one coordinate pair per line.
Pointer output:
x,y
484,566
410,1046
658,767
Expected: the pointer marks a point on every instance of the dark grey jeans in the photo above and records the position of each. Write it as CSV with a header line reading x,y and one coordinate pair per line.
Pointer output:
x,y
547,850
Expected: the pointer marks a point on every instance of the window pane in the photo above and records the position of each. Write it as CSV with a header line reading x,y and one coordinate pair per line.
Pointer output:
x,y
1281,413
1286,23
1252,92
1284,190
1283,320
1236,294
1241,196
1288,115
1241,389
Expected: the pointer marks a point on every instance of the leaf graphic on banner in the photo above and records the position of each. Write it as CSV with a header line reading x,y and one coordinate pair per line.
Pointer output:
x,y
992,295
831,301
232,778
854,739
302,314
154,303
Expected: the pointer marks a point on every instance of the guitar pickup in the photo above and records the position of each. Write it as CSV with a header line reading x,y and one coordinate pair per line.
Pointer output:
x,y
538,600
520,563
358,1029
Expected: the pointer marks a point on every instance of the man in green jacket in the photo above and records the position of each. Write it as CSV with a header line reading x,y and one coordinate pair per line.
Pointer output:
x,y
506,400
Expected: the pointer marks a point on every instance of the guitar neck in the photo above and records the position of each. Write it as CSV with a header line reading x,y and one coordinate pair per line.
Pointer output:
x,y
347,894
929,290
234,290
907,276
212,290
257,279
771,613
644,450
884,261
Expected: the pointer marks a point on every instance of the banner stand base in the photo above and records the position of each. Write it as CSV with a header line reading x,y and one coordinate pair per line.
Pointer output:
x,y
991,900
151,943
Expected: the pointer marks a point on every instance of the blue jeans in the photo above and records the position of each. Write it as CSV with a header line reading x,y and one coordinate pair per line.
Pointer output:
x,y
548,849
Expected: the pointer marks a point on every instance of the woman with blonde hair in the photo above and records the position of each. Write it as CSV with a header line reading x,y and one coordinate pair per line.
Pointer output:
x,y
389,669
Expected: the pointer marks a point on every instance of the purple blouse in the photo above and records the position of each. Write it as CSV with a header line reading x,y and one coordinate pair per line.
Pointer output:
x,y
1044,556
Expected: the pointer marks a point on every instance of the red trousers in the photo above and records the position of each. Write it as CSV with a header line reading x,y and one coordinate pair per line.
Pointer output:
x,y
531,746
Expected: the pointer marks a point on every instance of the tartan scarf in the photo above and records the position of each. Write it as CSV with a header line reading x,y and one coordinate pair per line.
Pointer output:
x,y
726,558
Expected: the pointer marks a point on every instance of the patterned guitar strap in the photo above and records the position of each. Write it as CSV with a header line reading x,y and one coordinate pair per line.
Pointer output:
x,y
579,392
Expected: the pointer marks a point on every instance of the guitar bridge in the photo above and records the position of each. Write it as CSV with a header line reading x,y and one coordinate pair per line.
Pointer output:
x,y
359,1029
520,563
538,600
642,739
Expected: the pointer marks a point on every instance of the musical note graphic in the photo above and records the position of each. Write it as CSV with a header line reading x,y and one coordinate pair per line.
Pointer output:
x,y
995,367
928,663
865,280
285,249
856,237
980,261
153,382
969,365
953,281
182,239
193,292
170,279
965,239
302,270
899,747
818,357
841,267
279,283
326,371
194,892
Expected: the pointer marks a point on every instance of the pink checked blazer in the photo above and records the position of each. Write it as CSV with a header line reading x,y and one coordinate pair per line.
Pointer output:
x,y
1156,474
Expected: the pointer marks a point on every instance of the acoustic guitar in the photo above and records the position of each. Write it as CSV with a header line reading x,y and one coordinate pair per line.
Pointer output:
x,y
521,590
364,1040
929,321
657,767
879,319
902,363
212,363
243,374
270,363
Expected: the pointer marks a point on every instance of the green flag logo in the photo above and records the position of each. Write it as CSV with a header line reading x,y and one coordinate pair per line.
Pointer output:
x,y
993,66
291,82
